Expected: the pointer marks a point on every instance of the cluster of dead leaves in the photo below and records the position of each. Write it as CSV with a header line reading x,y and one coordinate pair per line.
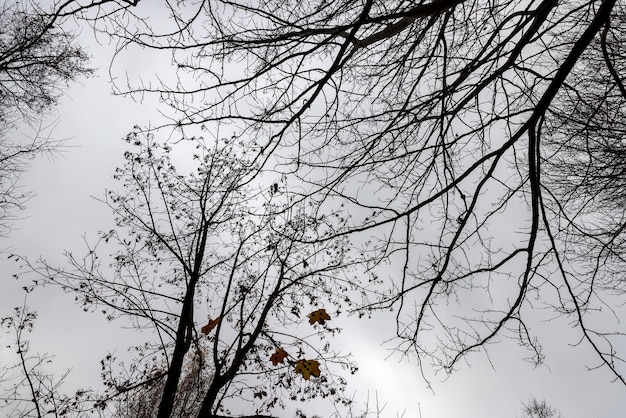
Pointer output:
x,y
306,368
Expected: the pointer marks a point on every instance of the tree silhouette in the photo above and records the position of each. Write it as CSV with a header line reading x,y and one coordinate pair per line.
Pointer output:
x,y
29,387
39,58
447,128
464,157
198,243
539,409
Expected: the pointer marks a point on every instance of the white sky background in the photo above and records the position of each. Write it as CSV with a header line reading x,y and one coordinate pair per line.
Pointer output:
x,y
63,210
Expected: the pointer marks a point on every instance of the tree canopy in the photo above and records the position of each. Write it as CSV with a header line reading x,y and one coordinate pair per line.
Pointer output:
x,y
476,144
457,162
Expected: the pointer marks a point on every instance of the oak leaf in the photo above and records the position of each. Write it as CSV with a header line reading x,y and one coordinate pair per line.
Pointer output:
x,y
278,356
307,368
320,316
212,324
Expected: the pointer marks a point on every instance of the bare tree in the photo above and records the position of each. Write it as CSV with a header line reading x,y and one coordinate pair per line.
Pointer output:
x,y
39,57
450,131
539,409
30,387
584,158
218,271
433,123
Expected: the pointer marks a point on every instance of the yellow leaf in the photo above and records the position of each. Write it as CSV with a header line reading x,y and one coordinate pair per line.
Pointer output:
x,y
319,316
307,368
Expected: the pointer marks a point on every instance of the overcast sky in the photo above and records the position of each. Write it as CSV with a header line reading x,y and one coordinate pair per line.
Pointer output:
x,y
64,210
